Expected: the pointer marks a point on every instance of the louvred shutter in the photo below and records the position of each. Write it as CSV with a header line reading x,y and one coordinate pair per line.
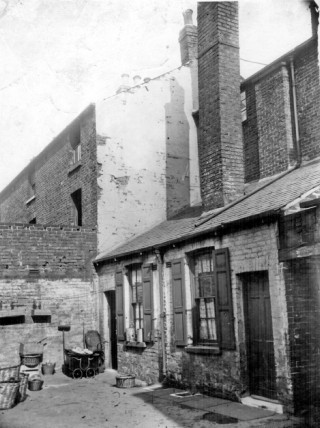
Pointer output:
x,y
147,302
119,305
178,294
224,299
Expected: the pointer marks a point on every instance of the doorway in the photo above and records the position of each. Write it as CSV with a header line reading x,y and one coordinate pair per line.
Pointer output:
x,y
259,335
112,324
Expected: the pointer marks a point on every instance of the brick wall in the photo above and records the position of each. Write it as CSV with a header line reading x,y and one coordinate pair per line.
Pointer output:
x,y
251,137
302,289
220,134
308,99
55,179
50,266
274,122
269,131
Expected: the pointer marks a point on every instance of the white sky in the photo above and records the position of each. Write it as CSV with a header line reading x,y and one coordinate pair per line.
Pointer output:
x,y
57,56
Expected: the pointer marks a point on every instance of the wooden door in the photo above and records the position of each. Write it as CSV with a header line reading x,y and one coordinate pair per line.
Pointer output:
x,y
261,365
111,298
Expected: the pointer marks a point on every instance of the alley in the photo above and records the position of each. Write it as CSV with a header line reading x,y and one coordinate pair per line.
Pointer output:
x,y
97,402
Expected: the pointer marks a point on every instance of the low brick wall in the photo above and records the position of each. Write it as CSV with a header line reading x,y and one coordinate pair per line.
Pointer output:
x,y
45,280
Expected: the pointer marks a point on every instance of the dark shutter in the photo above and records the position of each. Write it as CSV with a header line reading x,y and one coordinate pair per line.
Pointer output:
x,y
147,302
119,305
224,299
178,295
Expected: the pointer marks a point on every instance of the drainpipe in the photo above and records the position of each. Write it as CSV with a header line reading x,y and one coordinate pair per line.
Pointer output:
x,y
295,112
162,313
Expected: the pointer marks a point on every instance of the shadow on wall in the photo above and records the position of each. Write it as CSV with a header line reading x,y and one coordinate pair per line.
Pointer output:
x,y
177,151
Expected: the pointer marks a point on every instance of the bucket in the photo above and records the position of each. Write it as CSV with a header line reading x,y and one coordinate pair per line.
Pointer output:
x,y
130,334
125,381
140,335
48,368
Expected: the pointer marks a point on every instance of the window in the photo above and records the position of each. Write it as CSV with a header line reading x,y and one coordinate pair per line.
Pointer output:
x,y
213,312
205,298
243,106
136,294
75,141
77,154
33,221
213,322
139,294
76,209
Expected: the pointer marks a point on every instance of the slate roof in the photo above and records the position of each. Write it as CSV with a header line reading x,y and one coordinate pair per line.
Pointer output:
x,y
266,200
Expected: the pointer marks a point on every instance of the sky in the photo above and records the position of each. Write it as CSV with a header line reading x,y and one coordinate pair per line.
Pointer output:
x,y
58,56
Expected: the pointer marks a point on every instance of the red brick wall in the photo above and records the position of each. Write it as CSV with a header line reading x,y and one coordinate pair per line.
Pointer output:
x,y
55,181
63,285
220,139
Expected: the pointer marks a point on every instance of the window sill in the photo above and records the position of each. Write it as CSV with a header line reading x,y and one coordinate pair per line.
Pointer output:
x,y
204,350
74,166
136,345
33,198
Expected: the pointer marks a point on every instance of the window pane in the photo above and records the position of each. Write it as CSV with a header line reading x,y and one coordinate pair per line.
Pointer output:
x,y
207,320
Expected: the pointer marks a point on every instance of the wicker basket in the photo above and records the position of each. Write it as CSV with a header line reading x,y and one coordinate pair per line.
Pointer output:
x,y
22,393
35,384
125,381
8,394
8,373
31,360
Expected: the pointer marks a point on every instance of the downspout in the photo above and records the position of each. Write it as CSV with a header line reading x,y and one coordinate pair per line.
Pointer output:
x,y
295,112
162,314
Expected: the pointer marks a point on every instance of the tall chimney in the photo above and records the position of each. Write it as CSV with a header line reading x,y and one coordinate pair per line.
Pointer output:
x,y
188,38
220,129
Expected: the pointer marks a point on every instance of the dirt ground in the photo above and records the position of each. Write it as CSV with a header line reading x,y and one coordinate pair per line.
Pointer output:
x,y
97,402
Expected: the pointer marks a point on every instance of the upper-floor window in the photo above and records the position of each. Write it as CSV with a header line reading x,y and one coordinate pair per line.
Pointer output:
x,y
75,142
243,106
77,153
76,208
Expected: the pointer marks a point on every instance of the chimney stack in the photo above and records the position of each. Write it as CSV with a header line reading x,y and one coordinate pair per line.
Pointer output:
x,y
220,128
188,38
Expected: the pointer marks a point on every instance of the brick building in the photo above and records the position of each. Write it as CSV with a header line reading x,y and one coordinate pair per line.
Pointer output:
x,y
223,297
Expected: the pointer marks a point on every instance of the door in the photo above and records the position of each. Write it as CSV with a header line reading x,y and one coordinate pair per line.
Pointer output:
x,y
261,365
111,298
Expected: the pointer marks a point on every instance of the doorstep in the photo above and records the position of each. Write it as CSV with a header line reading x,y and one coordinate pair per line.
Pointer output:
x,y
259,402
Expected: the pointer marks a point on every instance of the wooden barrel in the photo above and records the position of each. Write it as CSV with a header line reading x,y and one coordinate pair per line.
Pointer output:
x,y
125,381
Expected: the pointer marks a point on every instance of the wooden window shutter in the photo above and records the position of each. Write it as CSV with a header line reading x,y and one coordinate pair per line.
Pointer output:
x,y
179,309
224,299
147,302
119,305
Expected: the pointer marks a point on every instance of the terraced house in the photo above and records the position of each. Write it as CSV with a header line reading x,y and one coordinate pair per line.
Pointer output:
x,y
223,297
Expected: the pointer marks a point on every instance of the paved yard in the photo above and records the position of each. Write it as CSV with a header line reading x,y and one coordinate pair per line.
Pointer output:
x,y
97,402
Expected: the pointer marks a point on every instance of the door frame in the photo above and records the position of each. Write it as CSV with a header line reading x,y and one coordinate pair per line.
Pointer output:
x,y
247,280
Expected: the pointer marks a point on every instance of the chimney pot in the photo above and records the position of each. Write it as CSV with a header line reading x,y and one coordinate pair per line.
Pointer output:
x,y
136,79
187,17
